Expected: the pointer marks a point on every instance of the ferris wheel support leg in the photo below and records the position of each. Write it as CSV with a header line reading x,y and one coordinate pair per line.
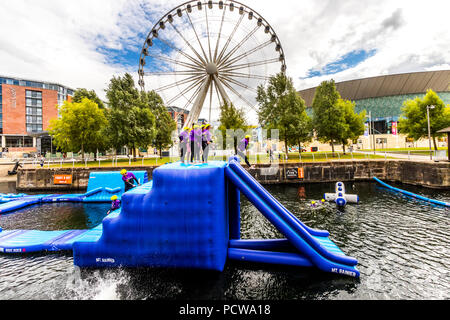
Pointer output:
x,y
198,104
222,91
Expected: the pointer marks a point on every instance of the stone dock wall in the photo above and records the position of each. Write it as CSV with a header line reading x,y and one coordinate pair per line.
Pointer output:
x,y
428,174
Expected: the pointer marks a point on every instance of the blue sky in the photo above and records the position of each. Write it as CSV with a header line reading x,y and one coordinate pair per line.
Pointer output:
x,y
347,61
84,43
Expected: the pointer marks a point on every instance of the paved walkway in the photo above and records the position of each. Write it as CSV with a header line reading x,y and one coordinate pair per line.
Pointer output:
x,y
415,157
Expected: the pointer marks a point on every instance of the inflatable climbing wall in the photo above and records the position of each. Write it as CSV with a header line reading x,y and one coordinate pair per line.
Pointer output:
x,y
179,219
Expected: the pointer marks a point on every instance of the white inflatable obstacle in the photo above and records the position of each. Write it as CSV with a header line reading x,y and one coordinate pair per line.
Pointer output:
x,y
340,197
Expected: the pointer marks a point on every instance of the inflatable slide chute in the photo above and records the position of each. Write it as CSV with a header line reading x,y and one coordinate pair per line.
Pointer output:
x,y
315,246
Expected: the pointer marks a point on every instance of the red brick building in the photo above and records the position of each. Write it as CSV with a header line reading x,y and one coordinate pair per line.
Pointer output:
x,y
26,108
179,115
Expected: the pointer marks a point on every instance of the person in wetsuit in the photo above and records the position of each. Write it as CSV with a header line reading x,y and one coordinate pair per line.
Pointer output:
x,y
184,140
129,179
196,143
206,142
114,205
242,148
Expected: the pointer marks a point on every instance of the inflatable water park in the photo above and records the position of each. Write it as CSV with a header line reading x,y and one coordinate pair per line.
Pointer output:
x,y
187,216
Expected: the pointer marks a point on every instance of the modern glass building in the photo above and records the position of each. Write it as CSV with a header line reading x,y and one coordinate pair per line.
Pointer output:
x,y
383,97
26,108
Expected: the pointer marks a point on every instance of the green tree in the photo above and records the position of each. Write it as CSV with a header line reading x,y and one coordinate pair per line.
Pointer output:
x,y
328,117
165,125
82,93
283,109
413,121
231,118
354,122
80,127
130,118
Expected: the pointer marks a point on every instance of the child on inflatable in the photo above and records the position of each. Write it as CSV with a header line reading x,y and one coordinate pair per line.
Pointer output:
x,y
128,178
114,205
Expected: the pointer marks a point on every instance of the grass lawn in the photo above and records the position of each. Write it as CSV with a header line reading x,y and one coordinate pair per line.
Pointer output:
x,y
406,150
259,159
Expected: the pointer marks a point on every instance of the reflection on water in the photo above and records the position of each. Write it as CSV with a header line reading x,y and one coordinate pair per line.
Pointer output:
x,y
401,245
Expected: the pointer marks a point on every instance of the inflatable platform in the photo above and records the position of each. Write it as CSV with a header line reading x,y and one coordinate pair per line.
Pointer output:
x,y
340,197
101,186
188,216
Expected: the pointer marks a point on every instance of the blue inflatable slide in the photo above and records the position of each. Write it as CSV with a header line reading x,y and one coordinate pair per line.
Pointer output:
x,y
188,216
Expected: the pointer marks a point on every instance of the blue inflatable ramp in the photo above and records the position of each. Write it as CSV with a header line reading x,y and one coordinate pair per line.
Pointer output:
x,y
178,221
24,241
18,204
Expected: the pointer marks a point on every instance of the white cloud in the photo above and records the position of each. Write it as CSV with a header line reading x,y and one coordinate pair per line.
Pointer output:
x,y
59,41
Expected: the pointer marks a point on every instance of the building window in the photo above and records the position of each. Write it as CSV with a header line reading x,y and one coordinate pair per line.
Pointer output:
x,y
19,142
33,110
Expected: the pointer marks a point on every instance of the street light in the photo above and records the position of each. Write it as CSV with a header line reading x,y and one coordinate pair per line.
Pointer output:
x,y
429,133
371,131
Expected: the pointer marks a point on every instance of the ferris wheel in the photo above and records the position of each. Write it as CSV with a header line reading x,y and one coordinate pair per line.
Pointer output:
x,y
202,54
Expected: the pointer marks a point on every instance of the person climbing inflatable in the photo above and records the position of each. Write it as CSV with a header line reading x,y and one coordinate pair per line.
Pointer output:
x,y
114,205
206,142
128,178
184,140
242,148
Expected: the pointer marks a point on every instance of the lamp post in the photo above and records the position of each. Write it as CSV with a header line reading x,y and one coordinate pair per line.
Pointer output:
x,y
371,132
429,131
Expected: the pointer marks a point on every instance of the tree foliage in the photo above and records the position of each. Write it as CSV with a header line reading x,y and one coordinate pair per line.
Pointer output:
x,y
80,127
328,116
354,122
131,121
414,122
82,93
282,108
231,118
165,125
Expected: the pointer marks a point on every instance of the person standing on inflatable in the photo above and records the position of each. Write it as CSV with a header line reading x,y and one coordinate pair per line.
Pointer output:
x,y
191,143
242,148
196,143
184,139
206,141
128,178
114,205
